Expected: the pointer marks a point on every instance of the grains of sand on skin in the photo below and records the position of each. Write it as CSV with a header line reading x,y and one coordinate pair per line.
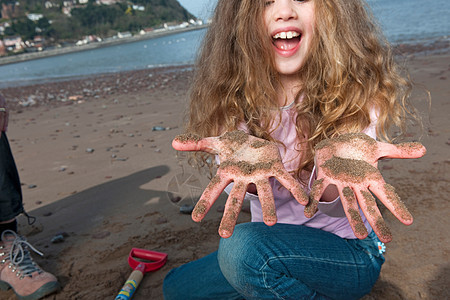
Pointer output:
x,y
188,137
399,206
411,147
236,136
357,139
259,143
353,170
248,168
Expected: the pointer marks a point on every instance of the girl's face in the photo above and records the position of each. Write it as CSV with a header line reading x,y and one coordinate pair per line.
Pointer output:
x,y
290,23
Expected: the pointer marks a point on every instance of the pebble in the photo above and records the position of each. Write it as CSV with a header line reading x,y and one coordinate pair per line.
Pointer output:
x,y
175,199
160,128
57,239
121,159
186,209
90,150
32,186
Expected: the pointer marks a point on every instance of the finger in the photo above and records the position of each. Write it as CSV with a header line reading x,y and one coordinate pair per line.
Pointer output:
x,y
193,142
317,190
265,195
351,209
232,209
369,207
292,185
386,194
208,197
403,150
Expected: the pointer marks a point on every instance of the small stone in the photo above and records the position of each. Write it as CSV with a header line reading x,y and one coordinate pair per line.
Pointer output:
x,y
160,128
186,209
32,186
175,199
57,239
90,150
122,159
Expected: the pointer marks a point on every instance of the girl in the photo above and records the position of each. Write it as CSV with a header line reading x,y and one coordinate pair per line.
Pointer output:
x,y
290,92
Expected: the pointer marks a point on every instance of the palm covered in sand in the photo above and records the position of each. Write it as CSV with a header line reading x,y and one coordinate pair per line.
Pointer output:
x,y
349,162
244,160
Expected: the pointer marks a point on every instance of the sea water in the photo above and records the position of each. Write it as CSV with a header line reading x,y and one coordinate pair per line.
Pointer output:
x,y
403,21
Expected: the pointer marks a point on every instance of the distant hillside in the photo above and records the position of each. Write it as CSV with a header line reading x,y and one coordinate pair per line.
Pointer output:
x,y
56,21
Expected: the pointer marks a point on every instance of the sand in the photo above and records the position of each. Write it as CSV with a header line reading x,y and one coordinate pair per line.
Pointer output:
x,y
97,168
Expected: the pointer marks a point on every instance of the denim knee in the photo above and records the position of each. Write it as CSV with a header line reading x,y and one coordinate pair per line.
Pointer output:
x,y
238,260
170,288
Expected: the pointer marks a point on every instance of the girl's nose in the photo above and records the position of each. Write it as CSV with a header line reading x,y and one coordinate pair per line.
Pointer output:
x,y
284,10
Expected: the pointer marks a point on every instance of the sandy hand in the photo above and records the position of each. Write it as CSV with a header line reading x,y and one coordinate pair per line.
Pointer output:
x,y
244,160
350,162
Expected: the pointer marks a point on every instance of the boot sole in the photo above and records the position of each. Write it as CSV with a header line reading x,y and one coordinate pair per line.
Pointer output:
x,y
46,289
4,286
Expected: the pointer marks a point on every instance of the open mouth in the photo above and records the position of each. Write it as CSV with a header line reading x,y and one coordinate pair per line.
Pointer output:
x,y
286,40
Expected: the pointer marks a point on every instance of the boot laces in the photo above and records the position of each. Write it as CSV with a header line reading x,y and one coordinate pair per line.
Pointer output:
x,y
19,256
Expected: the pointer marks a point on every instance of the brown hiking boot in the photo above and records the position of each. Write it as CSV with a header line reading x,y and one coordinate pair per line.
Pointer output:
x,y
19,272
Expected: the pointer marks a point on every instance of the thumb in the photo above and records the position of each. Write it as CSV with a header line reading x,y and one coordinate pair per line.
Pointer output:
x,y
402,150
193,142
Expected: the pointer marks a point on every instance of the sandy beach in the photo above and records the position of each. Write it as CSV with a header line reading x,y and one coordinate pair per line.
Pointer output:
x,y
99,174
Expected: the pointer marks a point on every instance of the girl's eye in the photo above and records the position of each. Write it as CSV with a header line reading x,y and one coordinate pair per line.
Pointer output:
x,y
267,3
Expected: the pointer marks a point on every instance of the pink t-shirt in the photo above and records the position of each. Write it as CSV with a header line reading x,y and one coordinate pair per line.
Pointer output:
x,y
331,216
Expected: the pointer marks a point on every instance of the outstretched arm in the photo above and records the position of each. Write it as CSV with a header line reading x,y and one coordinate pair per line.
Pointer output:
x,y
350,163
244,159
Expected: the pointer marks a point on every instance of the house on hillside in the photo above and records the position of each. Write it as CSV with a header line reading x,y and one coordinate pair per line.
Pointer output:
x,y
3,27
13,43
10,9
35,17
125,34
107,2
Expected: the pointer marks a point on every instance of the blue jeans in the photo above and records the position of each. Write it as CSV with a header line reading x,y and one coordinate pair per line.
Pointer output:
x,y
280,262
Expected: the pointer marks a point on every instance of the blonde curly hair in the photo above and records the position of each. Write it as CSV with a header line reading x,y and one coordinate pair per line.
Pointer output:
x,y
350,71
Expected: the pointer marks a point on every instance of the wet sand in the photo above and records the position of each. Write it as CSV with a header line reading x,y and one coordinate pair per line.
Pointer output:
x,y
97,169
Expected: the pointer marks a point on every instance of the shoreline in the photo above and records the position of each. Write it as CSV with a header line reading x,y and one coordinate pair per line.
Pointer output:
x,y
71,49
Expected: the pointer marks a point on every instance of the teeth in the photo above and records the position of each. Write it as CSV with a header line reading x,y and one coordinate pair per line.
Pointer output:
x,y
286,35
